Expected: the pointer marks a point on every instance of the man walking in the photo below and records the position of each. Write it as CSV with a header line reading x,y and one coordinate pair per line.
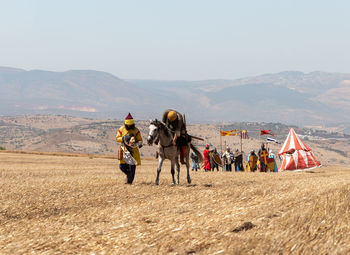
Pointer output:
x,y
130,138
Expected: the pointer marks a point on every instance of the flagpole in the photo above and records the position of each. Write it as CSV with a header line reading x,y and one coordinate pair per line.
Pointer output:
x,y
220,141
241,140
240,130
260,137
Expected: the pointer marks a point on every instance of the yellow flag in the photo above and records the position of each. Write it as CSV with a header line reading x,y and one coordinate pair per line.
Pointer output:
x,y
229,133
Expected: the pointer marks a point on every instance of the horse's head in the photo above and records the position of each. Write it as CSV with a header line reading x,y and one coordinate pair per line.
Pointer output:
x,y
153,131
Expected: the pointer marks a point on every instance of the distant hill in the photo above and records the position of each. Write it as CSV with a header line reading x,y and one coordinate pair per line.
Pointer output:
x,y
71,91
316,98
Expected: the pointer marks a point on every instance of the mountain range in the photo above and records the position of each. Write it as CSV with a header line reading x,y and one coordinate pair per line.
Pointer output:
x,y
304,99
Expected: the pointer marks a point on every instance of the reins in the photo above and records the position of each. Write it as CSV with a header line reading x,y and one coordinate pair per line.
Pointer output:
x,y
171,140
167,146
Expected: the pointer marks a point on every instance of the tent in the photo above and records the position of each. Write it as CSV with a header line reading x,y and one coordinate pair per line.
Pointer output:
x,y
296,155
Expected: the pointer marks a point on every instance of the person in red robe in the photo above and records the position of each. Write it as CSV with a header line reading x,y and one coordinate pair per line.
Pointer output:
x,y
206,152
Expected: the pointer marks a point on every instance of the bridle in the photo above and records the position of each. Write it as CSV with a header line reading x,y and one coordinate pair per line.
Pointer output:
x,y
153,137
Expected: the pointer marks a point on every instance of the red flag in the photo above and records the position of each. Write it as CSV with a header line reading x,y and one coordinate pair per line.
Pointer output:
x,y
266,132
244,134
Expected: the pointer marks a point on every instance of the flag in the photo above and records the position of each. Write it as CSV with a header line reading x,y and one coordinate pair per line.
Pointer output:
x,y
244,134
269,139
229,133
266,132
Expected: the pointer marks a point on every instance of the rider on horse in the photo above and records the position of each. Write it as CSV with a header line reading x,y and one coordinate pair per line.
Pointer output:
x,y
175,122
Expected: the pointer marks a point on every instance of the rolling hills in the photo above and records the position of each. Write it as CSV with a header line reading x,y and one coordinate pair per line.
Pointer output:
x,y
313,99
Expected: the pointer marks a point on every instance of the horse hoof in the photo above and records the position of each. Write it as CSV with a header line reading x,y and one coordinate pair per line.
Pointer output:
x,y
157,183
189,181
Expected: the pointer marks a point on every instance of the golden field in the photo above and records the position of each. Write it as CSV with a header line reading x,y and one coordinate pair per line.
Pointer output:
x,y
80,205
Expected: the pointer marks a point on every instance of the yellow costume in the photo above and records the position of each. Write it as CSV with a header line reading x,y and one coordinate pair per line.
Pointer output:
x,y
135,151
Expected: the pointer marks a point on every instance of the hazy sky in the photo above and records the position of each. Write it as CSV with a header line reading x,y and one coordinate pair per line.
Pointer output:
x,y
179,39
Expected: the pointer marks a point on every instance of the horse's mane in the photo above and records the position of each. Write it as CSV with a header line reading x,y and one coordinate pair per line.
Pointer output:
x,y
162,126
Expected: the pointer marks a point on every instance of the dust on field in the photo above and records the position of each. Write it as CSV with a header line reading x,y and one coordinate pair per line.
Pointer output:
x,y
58,204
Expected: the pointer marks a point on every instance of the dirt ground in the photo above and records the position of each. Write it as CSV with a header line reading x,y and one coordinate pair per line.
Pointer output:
x,y
80,205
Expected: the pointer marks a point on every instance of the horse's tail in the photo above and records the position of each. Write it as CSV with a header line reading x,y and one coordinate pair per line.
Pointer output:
x,y
198,153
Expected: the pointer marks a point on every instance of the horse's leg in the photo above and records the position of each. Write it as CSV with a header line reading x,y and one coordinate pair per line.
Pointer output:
x,y
177,169
188,163
173,170
160,163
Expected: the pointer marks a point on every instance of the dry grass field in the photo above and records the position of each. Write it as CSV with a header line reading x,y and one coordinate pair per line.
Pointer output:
x,y
80,205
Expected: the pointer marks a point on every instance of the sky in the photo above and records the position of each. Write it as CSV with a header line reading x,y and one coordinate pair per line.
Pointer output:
x,y
176,40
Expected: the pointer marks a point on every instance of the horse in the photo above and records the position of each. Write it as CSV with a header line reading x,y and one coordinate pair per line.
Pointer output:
x,y
160,133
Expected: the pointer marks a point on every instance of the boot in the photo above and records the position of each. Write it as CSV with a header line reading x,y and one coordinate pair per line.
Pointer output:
x,y
182,160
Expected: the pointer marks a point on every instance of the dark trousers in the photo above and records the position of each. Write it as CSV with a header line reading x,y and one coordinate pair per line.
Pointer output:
x,y
129,170
239,166
215,166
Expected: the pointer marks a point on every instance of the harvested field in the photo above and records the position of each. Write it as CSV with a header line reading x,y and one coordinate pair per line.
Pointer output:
x,y
80,205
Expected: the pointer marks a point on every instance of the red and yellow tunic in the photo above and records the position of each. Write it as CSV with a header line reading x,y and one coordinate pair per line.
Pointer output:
x,y
253,160
135,151
264,156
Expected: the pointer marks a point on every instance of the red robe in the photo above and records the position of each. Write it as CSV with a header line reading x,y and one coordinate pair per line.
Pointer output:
x,y
206,160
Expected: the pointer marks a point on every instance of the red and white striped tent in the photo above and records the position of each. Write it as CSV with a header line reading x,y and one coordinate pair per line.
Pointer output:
x,y
296,155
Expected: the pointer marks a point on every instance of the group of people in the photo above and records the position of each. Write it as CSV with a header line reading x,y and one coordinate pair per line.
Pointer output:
x,y
212,160
130,139
265,161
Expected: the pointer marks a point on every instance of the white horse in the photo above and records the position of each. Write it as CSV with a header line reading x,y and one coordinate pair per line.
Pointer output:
x,y
159,132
